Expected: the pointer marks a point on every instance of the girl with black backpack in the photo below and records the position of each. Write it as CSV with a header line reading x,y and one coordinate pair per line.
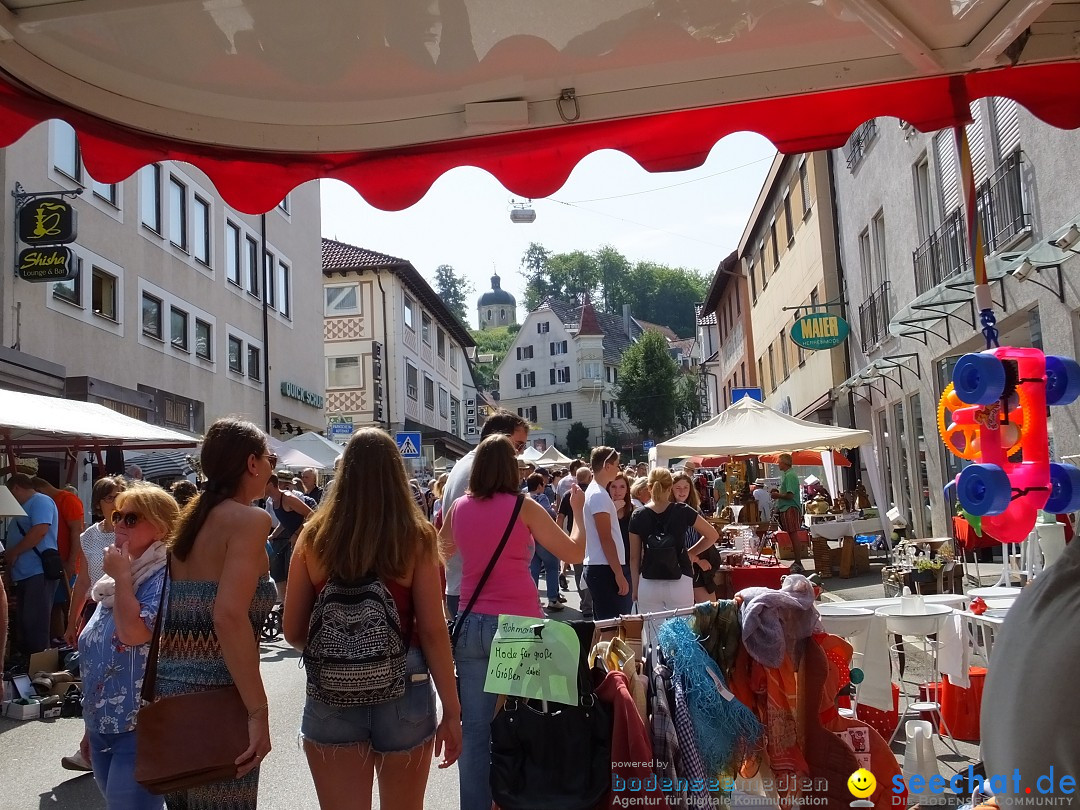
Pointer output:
x,y
661,565
364,604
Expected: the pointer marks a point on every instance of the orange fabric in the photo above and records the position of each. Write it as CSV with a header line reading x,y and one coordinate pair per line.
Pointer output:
x,y
70,508
960,707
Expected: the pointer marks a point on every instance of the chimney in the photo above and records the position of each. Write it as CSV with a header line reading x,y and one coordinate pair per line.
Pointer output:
x,y
626,319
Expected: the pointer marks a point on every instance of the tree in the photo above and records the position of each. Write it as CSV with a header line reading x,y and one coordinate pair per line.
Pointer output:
x,y
534,266
577,440
687,402
666,295
495,342
454,289
647,377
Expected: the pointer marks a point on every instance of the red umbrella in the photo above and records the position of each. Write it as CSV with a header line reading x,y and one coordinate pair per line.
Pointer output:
x,y
808,458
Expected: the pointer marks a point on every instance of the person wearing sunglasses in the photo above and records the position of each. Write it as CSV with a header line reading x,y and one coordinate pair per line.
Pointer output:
x,y
220,593
502,422
607,574
115,644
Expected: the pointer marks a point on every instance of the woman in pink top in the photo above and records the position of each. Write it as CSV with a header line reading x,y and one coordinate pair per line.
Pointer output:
x,y
473,527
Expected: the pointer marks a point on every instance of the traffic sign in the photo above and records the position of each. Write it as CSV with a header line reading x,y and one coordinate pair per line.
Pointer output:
x,y
408,443
340,431
740,393
648,444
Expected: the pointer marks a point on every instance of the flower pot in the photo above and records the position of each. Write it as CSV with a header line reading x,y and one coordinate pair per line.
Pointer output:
x,y
924,576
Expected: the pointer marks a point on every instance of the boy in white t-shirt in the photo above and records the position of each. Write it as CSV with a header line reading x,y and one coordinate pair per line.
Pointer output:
x,y
607,573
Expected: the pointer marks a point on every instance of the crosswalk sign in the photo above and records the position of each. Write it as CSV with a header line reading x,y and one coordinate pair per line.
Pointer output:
x,y
408,443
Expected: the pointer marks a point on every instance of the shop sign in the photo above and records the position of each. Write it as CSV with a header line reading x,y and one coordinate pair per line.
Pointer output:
x,y
534,658
47,264
294,391
47,221
819,330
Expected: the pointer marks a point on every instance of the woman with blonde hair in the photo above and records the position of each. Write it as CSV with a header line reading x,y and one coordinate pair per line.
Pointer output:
x,y
661,564
368,528
495,582
115,644
219,594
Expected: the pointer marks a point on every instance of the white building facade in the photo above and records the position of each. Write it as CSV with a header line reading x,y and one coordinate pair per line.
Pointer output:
x,y
395,356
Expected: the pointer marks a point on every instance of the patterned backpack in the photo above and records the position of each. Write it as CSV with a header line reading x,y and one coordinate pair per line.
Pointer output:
x,y
355,652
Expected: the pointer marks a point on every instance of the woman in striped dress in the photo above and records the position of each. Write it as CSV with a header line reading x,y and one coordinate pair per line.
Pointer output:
x,y
219,594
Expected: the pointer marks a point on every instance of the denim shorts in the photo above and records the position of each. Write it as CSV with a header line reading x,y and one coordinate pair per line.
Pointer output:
x,y
397,726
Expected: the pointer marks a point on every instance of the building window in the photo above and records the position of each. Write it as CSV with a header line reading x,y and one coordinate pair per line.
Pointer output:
x,y
543,328
409,306
881,267
104,294
524,352
178,328
201,230
440,342
804,185
343,372
561,410
269,264
752,273
561,375
526,379
203,340
866,262
453,356
70,290
151,316
592,371
773,245
783,353
178,213
66,158
284,289
254,367
236,355
284,204
444,402
150,197
252,264
528,414
557,347
425,328
429,393
410,380
105,191
232,253
342,300
788,225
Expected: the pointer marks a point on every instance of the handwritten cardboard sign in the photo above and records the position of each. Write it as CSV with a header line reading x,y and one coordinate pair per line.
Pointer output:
x,y
534,658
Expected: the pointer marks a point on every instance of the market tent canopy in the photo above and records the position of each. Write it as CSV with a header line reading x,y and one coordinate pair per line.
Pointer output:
x,y
292,459
264,95
324,451
749,428
162,463
36,423
553,456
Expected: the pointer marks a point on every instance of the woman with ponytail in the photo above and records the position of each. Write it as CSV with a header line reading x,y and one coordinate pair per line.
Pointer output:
x,y
661,565
219,595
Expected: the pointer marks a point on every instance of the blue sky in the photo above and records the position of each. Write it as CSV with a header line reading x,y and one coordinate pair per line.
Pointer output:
x,y
690,219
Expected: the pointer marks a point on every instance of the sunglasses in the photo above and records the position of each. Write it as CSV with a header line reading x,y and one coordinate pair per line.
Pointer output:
x,y
613,458
519,446
129,519
272,458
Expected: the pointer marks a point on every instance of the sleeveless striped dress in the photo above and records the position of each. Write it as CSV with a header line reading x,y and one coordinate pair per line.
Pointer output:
x,y
190,660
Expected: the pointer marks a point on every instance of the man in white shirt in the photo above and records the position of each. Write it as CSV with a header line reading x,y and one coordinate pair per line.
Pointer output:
x,y
607,573
764,501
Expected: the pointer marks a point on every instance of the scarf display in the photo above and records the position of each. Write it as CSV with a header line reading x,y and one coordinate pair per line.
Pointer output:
x,y
774,621
149,563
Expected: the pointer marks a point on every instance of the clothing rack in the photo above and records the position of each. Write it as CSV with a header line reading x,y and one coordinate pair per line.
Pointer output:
x,y
608,624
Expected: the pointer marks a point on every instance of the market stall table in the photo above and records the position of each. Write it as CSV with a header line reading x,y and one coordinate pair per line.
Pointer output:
x,y
758,576
843,532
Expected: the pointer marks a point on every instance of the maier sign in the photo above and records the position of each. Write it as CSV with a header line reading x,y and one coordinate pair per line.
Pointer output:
x,y
819,330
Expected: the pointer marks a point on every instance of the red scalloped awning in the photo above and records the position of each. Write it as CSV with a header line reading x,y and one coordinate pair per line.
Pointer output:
x,y
535,163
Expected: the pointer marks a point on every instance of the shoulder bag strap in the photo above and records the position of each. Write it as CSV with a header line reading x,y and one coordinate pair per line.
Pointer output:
x,y
149,683
487,572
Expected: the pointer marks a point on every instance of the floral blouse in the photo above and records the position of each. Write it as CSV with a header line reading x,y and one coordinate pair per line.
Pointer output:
x,y
112,672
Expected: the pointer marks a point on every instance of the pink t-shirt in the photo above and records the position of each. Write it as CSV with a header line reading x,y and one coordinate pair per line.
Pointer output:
x,y
478,526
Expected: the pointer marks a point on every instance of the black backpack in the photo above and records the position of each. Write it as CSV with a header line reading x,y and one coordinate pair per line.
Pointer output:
x,y
663,552
355,651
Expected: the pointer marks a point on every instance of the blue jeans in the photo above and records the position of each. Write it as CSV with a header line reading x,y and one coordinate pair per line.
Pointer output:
x,y
541,556
477,710
113,759
607,604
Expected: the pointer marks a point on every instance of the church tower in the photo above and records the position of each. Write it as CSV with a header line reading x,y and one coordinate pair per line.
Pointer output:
x,y
496,307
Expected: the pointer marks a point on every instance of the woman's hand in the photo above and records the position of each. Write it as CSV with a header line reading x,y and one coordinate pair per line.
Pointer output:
x,y
703,564
448,739
258,743
619,505
117,564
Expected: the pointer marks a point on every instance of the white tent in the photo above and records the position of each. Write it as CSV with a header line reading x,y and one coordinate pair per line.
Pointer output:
x,y
292,459
321,449
530,454
749,428
553,456
36,423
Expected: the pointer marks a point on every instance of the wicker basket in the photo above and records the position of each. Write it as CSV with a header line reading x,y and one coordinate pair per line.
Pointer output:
x,y
822,557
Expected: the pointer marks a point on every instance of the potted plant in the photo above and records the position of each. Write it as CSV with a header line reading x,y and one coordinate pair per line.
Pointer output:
x,y
926,569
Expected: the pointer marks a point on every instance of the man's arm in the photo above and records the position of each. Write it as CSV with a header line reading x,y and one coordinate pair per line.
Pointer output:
x,y
294,504
32,538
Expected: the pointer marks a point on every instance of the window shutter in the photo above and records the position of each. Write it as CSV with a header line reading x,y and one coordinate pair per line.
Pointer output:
x,y
947,172
552,376
518,381
532,379
976,134
554,412
569,411
518,352
1007,127
551,348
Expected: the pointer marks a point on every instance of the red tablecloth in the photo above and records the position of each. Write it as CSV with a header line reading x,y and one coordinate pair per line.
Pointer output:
x,y
758,576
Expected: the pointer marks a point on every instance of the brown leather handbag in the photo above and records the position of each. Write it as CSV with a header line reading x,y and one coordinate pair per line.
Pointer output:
x,y
184,741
